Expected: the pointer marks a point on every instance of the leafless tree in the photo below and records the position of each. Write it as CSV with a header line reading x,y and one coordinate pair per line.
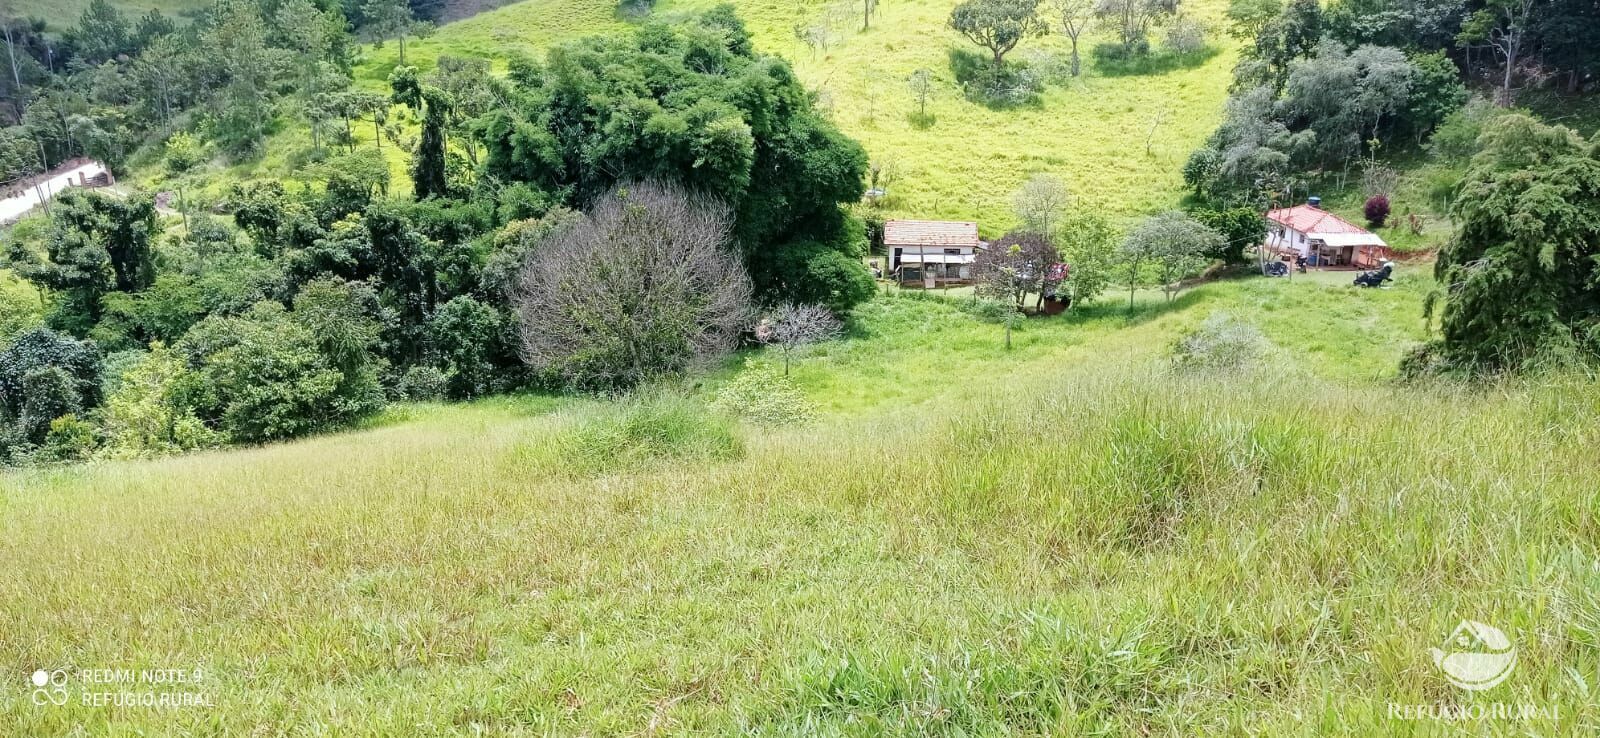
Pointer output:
x,y
1506,37
791,327
921,83
1134,18
644,286
1074,17
1039,203
1379,179
881,172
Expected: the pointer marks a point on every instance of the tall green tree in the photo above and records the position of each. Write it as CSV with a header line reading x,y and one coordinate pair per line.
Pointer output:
x,y
1520,274
998,25
692,103
102,32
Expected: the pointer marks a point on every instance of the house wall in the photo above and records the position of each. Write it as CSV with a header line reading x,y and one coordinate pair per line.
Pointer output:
x,y
1291,241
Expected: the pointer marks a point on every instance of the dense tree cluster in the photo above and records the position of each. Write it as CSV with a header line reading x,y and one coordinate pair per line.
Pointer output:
x,y
694,104
221,79
312,312
1321,90
319,302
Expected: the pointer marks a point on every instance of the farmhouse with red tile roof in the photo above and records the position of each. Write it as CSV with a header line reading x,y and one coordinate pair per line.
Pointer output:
x,y
1322,238
931,253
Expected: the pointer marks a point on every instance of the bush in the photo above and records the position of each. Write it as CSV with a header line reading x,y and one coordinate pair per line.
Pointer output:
x,y
1221,342
345,320
259,377
764,396
44,375
653,428
1013,84
1377,210
184,151
422,384
1186,36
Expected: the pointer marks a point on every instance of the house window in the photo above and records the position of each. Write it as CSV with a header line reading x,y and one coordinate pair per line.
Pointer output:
x,y
956,252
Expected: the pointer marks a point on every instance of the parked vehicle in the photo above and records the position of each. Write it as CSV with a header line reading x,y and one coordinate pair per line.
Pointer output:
x,y
1376,278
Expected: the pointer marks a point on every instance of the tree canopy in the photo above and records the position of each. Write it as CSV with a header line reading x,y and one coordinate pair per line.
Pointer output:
x,y
690,103
1520,275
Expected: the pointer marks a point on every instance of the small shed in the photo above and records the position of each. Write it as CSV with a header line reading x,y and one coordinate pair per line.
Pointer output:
x,y
1323,239
931,253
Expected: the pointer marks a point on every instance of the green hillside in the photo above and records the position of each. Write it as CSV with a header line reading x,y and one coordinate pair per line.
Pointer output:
x,y
64,14
1065,539
1091,131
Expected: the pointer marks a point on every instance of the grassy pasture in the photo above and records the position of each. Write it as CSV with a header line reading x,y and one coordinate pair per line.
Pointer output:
x,y
62,15
1091,131
1066,539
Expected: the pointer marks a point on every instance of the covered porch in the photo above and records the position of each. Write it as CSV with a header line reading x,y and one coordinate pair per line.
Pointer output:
x,y
932,271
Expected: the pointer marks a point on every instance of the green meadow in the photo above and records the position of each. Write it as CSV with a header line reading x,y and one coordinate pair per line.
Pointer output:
x,y
1118,139
1068,538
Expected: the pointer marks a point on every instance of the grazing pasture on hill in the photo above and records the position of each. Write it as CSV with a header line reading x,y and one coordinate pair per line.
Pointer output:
x,y
1068,538
1118,139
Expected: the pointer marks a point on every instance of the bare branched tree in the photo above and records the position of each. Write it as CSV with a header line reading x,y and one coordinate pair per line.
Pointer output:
x,y
791,327
1040,203
1074,17
644,286
1379,179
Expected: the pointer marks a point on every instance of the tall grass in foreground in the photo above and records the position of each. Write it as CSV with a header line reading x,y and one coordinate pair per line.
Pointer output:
x,y
1114,549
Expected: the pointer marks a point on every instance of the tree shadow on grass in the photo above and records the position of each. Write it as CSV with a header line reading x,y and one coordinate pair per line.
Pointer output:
x,y
1011,86
1111,61
1110,309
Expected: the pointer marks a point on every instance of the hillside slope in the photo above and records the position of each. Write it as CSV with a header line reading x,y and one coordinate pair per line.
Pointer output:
x,y
1119,140
1091,131
1068,539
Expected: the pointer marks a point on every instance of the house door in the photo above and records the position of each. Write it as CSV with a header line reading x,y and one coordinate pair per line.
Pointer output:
x,y
929,279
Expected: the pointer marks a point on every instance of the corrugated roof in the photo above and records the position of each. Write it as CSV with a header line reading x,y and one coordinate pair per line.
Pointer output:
x,y
1307,219
930,233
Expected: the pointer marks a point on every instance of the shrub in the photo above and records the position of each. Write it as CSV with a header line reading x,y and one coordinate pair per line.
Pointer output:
x,y
467,336
820,273
184,151
1186,36
653,428
142,414
259,377
765,397
48,392
1221,342
1009,85
422,383
68,439
1377,210
1241,227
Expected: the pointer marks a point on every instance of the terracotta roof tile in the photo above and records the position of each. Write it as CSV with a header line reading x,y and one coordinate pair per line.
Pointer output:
x,y
930,233
1307,219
